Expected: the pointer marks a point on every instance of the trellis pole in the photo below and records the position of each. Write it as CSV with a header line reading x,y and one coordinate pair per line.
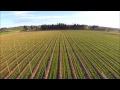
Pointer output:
x,y
16,56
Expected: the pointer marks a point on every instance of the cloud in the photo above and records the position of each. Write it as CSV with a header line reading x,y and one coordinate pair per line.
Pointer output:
x,y
22,13
26,16
22,20
102,18
43,17
96,13
19,16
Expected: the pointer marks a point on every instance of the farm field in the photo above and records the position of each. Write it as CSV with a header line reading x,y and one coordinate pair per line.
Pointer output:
x,y
65,54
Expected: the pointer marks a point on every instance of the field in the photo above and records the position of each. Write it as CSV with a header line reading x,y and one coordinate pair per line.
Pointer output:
x,y
66,54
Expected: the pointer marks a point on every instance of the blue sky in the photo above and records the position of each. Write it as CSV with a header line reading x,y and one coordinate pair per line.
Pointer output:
x,y
20,18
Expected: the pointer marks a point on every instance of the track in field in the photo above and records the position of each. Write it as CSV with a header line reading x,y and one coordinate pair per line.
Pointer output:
x,y
60,55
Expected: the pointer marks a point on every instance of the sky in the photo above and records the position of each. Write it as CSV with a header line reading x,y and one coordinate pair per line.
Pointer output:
x,y
20,18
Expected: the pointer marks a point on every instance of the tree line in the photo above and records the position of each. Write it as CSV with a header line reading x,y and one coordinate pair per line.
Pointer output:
x,y
60,26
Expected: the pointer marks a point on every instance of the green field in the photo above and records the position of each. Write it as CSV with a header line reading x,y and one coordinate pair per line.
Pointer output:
x,y
10,32
65,54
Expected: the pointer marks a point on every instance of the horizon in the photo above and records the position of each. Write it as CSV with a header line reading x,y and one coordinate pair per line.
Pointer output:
x,y
90,18
58,23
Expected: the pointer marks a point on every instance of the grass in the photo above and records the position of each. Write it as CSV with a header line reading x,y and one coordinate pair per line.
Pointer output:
x,y
10,32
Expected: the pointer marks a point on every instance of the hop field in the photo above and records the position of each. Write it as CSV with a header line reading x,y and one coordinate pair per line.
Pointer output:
x,y
65,54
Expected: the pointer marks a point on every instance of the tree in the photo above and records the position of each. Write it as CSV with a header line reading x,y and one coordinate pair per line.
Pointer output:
x,y
25,28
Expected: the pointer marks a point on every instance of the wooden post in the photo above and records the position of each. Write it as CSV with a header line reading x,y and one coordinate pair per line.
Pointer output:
x,y
16,58
104,75
8,66
2,52
30,69
25,40
10,48
34,46
19,44
18,67
45,70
